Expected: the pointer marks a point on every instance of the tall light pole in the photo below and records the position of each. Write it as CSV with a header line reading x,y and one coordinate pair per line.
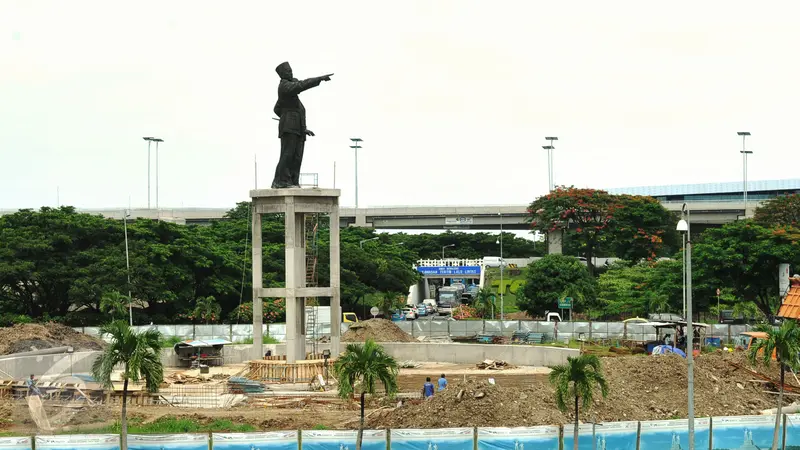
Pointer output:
x,y
149,139
502,267
550,149
744,153
446,246
685,227
157,140
356,145
125,216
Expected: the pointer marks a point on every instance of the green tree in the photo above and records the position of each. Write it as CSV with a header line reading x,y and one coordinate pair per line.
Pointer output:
x,y
784,342
744,257
485,302
207,309
140,356
582,215
640,289
643,229
115,304
360,369
779,211
578,379
549,278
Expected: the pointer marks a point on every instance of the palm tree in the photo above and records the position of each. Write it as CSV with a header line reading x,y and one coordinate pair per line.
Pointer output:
x,y
115,304
360,368
577,378
784,343
207,308
140,356
485,301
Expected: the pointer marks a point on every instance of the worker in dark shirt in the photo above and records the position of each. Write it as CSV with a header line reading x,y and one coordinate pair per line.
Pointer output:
x,y
427,388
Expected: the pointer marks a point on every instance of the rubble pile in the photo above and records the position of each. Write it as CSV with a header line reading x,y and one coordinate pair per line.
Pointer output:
x,y
379,330
28,337
640,388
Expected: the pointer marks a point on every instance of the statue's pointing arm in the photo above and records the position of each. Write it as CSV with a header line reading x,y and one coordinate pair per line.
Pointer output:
x,y
296,87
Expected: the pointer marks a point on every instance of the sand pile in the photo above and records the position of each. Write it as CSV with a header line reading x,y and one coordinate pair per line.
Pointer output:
x,y
640,388
379,330
33,336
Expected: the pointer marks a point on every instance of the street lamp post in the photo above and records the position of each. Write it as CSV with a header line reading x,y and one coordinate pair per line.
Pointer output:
x,y
685,227
550,148
744,153
361,243
502,267
446,246
125,215
356,145
149,140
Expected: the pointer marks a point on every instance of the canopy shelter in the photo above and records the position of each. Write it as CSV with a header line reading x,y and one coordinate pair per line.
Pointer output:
x,y
196,352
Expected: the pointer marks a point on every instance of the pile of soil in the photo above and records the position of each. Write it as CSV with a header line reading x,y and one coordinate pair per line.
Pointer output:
x,y
640,388
379,330
28,337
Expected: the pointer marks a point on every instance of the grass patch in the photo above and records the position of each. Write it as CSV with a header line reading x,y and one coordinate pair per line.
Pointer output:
x,y
265,339
176,425
170,341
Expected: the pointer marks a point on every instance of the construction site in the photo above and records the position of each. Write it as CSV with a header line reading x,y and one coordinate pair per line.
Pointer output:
x,y
269,394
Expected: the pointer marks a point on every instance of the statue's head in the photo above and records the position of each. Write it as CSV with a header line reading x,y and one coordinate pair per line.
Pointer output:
x,y
284,71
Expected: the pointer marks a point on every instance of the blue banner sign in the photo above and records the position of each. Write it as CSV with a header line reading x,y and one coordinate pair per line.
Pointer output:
x,y
78,442
447,271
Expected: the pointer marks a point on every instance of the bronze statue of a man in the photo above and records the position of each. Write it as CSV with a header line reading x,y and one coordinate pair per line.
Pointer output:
x,y
292,125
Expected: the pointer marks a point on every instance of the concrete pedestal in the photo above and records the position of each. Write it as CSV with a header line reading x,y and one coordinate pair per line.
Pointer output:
x,y
554,242
295,203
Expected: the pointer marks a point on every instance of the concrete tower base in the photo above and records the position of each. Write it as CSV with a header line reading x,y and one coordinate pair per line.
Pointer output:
x,y
295,203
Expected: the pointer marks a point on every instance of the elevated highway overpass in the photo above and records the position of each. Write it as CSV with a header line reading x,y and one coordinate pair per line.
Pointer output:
x,y
513,217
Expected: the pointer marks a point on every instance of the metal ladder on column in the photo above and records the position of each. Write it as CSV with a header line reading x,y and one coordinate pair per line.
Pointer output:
x,y
311,228
311,330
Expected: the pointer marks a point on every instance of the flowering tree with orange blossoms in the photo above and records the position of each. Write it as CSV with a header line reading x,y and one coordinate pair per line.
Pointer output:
x,y
582,214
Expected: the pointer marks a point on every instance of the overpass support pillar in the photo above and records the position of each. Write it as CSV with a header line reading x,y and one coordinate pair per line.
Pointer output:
x,y
294,204
554,241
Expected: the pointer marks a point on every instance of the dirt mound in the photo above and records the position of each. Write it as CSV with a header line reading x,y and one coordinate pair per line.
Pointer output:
x,y
379,330
33,336
640,388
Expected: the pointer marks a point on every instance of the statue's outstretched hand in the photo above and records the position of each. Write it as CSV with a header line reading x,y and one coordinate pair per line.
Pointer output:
x,y
310,133
327,77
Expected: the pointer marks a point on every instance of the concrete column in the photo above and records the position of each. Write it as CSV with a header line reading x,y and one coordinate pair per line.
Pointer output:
x,y
336,305
300,277
554,241
258,279
294,343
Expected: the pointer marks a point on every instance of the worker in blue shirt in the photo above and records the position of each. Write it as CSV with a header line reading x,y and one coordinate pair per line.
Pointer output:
x,y
427,388
31,384
442,383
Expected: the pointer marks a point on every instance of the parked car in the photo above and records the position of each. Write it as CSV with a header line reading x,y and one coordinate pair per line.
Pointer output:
x,y
398,315
420,310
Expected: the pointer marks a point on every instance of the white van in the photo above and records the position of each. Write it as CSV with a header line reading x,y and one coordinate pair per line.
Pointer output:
x,y
493,261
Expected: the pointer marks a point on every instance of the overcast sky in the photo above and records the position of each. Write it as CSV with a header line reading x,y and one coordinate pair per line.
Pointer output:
x,y
452,98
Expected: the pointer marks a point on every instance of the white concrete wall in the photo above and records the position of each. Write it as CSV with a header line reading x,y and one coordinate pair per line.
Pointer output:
x,y
47,366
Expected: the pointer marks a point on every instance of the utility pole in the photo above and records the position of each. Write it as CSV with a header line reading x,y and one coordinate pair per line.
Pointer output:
x,y
356,145
744,153
125,216
149,139
550,148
